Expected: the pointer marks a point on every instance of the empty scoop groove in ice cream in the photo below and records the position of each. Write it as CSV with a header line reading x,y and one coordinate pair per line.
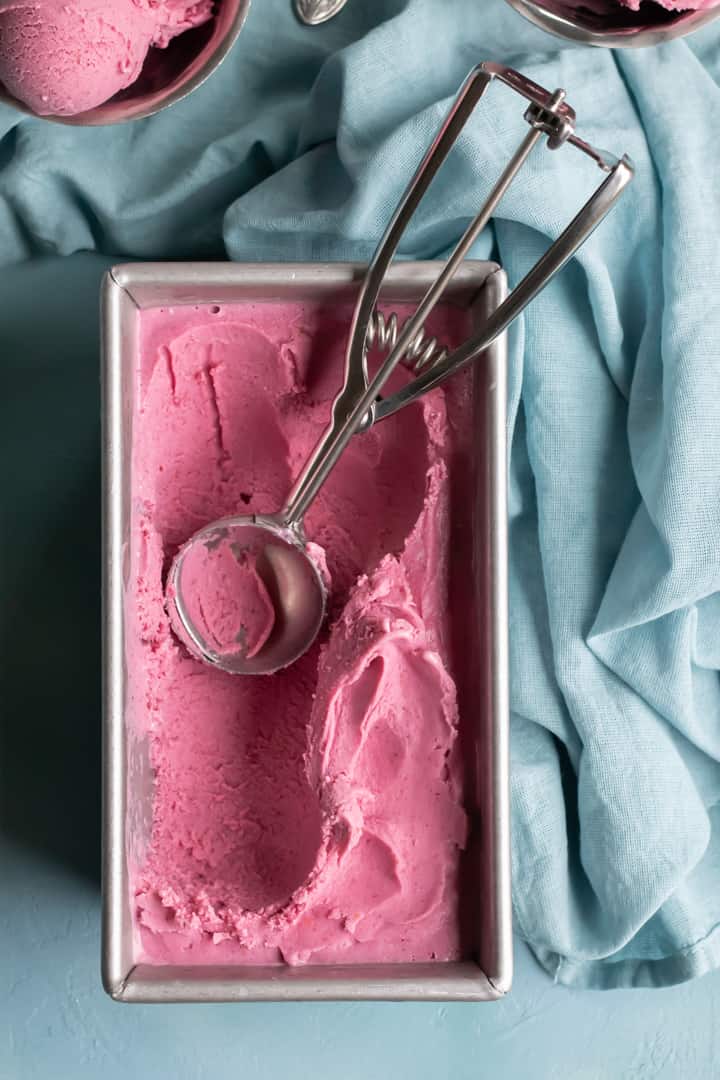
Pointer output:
x,y
315,815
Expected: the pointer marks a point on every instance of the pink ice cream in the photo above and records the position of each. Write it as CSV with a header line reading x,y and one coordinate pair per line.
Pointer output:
x,y
63,57
226,598
608,8
316,815
671,5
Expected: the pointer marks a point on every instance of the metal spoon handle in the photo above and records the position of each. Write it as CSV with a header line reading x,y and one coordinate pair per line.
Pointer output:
x,y
315,12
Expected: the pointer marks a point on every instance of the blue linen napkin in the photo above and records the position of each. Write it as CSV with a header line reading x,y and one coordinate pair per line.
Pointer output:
x,y
298,148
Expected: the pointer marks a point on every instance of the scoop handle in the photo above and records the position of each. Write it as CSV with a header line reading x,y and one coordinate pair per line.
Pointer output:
x,y
347,418
358,404
353,408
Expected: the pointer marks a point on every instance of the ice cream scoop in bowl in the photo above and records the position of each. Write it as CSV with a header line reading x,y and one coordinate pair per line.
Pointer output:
x,y
93,62
615,23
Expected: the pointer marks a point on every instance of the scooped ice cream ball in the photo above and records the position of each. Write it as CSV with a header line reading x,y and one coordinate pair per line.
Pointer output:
x,y
64,57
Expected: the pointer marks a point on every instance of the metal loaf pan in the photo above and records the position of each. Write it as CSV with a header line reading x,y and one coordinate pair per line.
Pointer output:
x,y
127,289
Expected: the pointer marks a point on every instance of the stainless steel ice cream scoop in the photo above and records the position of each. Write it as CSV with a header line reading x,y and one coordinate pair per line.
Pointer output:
x,y
290,576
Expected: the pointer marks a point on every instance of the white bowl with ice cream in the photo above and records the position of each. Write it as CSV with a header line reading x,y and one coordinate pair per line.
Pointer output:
x,y
90,62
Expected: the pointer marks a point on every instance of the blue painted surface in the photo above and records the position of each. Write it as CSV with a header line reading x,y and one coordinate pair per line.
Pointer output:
x,y
55,1021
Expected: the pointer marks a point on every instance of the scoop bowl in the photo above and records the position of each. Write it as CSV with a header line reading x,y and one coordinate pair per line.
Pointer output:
x,y
291,582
